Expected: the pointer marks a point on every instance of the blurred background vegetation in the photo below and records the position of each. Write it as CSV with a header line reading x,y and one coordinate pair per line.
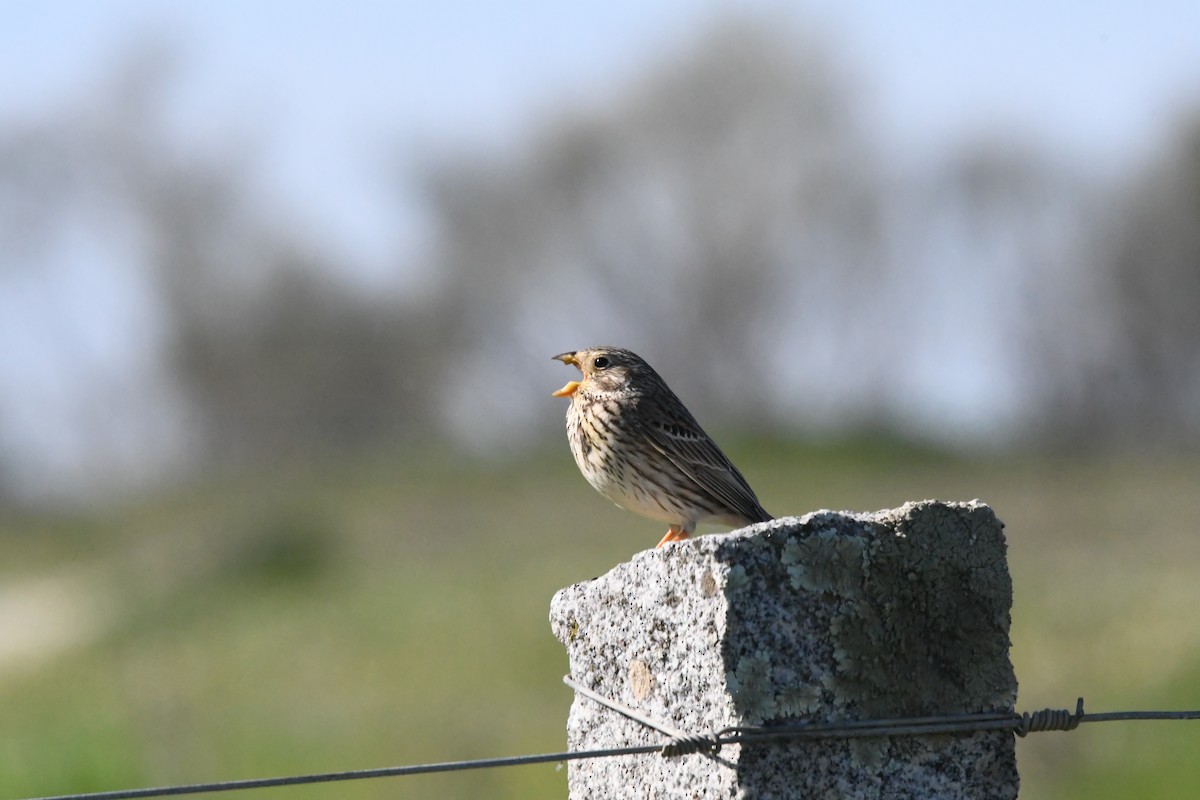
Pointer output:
x,y
260,514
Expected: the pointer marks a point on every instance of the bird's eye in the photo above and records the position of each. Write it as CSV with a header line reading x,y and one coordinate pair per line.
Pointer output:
x,y
601,362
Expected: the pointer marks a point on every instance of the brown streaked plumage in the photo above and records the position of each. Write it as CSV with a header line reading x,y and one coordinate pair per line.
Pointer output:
x,y
640,447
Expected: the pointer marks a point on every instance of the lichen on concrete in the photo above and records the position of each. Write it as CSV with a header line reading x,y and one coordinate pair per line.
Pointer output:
x,y
825,617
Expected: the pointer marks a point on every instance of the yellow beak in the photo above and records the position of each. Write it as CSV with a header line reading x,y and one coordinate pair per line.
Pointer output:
x,y
572,386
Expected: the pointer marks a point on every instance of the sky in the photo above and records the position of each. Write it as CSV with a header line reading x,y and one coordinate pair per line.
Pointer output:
x,y
324,88
323,93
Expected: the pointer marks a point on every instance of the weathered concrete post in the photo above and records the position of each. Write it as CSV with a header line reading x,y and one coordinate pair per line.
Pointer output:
x,y
824,617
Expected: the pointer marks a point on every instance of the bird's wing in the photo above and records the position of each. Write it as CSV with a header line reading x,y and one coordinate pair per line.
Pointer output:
x,y
675,433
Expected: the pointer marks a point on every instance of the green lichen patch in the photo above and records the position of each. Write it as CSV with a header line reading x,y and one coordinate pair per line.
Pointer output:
x,y
751,685
899,613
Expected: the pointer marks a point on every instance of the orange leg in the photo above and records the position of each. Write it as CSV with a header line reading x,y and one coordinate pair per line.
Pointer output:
x,y
674,534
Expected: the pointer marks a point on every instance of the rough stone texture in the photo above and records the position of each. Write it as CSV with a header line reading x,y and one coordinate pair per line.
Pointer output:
x,y
829,616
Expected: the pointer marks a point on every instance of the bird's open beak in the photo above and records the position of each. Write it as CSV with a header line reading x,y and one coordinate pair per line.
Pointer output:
x,y
572,386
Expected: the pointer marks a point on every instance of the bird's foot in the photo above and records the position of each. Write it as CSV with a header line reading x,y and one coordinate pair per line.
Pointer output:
x,y
672,536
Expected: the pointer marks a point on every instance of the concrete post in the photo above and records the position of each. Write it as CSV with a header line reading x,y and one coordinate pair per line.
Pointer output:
x,y
825,617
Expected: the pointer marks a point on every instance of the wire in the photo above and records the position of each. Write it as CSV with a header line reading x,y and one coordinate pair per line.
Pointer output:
x,y
352,775
681,743
1049,719
623,709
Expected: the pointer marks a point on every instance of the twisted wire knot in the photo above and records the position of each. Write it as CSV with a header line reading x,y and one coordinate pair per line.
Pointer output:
x,y
1050,719
692,743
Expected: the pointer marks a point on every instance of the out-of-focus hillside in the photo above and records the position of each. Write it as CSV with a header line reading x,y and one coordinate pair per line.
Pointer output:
x,y
395,611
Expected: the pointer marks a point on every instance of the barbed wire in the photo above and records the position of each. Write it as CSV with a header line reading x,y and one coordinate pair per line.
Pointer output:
x,y
679,743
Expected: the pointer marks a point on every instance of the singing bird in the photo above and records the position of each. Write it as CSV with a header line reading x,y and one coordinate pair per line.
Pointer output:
x,y
639,446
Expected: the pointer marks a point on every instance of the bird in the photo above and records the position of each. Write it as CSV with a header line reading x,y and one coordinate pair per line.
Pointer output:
x,y
637,444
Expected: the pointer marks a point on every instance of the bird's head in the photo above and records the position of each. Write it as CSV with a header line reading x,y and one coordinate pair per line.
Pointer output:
x,y
605,369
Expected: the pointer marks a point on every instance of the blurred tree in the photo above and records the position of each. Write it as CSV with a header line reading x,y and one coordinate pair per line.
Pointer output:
x,y
251,346
311,370
1098,285
722,207
1000,227
85,406
1146,388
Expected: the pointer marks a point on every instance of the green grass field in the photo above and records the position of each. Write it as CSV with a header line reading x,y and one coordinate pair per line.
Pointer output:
x,y
395,612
